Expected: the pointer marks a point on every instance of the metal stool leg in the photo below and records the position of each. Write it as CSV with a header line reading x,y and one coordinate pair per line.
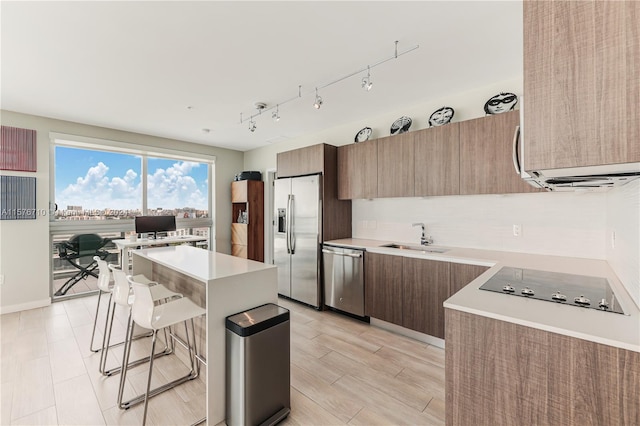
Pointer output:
x,y
192,374
95,322
146,395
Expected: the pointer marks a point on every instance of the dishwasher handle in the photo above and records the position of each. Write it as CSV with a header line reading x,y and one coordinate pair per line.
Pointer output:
x,y
355,255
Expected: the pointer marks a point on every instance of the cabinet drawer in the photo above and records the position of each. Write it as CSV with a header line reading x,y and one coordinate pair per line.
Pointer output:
x,y
239,233
239,250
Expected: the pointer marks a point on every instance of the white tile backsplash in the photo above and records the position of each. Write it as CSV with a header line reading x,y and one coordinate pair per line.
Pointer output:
x,y
564,224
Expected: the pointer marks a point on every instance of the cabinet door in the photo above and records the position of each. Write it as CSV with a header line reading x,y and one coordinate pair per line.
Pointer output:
x,y
437,160
302,161
396,172
239,191
383,287
426,287
486,160
357,170
462,274
581,85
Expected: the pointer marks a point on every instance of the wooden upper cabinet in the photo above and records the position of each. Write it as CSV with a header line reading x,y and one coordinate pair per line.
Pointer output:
x,y
396,171
425,288
301,161
437,160
358,170
581,88
383,287
486,156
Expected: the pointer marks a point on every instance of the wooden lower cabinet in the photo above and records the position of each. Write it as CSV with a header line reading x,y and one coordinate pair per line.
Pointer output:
x,y
462,274
383,287
410,292
425,288
500,373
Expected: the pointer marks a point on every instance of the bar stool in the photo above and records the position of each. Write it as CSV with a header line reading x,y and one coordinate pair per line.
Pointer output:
x,y
157,317
105,285
122,295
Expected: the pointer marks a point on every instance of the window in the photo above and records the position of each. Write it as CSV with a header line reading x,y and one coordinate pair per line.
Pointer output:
x,y
178,188
100,186
95,185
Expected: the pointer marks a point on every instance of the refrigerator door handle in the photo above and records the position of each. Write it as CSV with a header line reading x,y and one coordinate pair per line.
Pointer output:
x,y
292,237
288,224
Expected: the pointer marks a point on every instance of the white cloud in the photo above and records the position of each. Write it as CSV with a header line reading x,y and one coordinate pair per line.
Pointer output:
x,y
167,188
96,190
173,188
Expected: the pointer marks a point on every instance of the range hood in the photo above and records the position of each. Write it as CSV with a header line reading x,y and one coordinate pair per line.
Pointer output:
x,y
592,178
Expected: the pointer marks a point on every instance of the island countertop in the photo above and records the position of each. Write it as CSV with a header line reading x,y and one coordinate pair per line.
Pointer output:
x,y
199,264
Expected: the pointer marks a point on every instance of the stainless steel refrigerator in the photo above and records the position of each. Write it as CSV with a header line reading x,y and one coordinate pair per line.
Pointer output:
x,y
297,237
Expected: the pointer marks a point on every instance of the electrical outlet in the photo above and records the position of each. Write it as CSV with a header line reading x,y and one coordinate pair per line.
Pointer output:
x,y
613,239
517,230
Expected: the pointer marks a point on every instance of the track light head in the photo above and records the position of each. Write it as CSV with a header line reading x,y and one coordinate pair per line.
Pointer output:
x,y
366,81
318,102
275,115
252,126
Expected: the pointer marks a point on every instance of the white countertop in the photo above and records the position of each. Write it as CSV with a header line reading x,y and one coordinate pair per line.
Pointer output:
x,y
202,265
617,330
128,243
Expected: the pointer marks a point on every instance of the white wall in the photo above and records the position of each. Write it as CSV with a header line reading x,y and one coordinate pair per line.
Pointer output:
x,y
24,244
623,218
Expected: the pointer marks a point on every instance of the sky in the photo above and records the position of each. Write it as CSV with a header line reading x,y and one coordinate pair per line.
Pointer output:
x,y
99,180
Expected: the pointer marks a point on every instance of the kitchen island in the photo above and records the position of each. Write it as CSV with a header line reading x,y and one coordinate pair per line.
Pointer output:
x,y
223,285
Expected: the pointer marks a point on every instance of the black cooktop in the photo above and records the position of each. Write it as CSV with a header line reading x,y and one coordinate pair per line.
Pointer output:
x,y
567,289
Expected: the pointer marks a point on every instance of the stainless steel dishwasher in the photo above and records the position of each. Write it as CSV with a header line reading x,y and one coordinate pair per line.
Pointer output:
x,y
344,279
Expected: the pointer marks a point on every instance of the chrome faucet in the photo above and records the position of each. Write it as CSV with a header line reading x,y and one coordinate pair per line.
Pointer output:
x,y
423,239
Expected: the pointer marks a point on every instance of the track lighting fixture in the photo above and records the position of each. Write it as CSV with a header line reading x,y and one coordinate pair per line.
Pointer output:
x,y
318,103
366,84
366,81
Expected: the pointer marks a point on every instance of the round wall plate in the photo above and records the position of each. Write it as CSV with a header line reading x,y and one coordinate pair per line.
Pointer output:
x,y
502,102
363,135
401,125
441,116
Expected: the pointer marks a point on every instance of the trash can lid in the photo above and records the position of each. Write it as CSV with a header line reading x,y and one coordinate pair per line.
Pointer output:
x,y
257,319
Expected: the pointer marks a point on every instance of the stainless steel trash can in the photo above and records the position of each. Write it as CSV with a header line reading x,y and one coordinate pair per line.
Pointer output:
x,y
257,366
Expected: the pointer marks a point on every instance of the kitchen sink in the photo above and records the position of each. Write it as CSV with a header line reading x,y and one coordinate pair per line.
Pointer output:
x,y
424,249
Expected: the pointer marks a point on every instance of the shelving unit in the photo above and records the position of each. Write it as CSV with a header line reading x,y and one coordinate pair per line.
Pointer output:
x,y
247,201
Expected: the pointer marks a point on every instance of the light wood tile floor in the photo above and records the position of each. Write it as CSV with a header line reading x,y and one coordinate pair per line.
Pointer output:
x,y
343,371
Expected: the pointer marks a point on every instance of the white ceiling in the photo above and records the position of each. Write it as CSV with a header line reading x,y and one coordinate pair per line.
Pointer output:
x,y
137,66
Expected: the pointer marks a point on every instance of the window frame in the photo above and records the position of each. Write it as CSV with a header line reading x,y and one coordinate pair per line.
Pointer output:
x,y
89,143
